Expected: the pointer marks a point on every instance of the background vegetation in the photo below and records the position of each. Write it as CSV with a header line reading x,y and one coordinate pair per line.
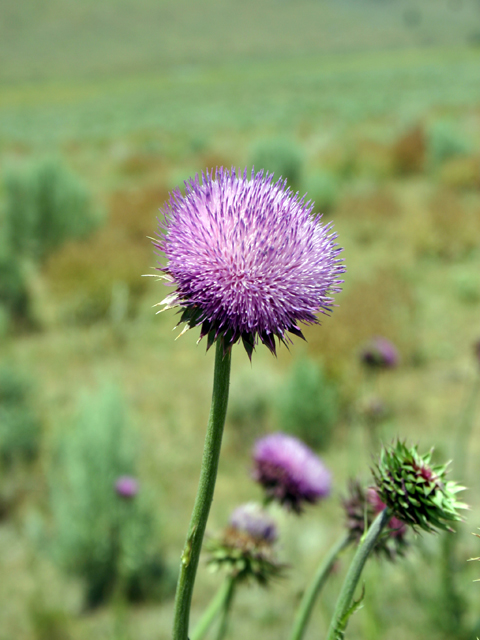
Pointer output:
x,y
373,108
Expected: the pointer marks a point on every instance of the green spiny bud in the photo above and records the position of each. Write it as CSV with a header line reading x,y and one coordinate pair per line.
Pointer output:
x,y
415,490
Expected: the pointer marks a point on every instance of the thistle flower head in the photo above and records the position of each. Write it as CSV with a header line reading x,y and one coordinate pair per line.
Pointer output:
x,y
248,259
245,549
252,519
361,508
476,350
416,490
126,487
379,353
289,471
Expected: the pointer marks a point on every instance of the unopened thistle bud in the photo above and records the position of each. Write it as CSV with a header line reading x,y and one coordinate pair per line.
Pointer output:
x,y
415,490
245,549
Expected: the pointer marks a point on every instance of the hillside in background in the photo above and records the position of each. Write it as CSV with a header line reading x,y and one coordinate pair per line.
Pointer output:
x,y
53,39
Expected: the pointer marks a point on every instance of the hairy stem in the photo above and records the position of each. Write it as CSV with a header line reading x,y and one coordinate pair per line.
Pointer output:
x,y
222,629
311,594
364,549
206,486
211,612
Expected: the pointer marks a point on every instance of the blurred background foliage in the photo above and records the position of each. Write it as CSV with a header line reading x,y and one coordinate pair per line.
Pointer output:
x,y
372,108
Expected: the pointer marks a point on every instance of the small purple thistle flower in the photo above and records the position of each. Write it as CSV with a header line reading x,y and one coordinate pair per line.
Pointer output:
x,y
476,350
380,353
289,471
248,258
126,487
252,519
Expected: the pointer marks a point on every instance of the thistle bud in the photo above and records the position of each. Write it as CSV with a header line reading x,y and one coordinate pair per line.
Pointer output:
x,y
245,549
415,490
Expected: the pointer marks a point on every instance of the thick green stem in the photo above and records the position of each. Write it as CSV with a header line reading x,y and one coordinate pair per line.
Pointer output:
x,y
345,598
313,591
206,486
222,629
212,611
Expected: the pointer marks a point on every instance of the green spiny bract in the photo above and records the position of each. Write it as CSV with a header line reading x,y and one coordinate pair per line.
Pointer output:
x,y
415,490
244,557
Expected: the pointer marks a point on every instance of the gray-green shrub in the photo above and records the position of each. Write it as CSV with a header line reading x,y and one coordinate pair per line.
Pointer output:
x,y
110,542
280,156
323,188
308,405
45,204
250,399
20,424
444,142
14,294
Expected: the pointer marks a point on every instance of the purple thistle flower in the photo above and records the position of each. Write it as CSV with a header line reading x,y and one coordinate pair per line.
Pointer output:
x,y
380,353
289,471
396,528
250,518
361,508
248,258
476,349
126,487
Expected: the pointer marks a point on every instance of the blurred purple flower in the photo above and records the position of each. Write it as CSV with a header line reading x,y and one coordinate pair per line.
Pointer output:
x,y
476,348
126,487
246,547
361,508
380,353
396,528
248,258
252,519
289,471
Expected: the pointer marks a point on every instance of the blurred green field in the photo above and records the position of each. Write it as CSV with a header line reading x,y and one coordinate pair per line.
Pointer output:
x,y
380,100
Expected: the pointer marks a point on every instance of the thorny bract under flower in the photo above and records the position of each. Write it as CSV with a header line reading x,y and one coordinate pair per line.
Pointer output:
x,y
246,547
248,259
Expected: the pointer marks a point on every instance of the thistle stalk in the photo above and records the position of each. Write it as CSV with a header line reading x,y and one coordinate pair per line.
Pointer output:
x,y
211,612
206,486
227,603
313,591
343,608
